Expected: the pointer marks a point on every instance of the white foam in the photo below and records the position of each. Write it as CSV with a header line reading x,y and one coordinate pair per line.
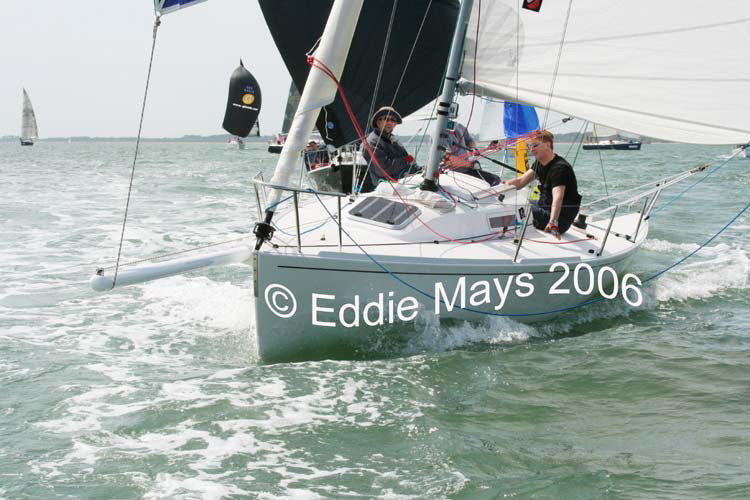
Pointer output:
x,y
199,300
700,279
191,488
663,246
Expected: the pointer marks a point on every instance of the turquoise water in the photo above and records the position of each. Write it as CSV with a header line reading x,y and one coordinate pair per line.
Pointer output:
x,y
155,391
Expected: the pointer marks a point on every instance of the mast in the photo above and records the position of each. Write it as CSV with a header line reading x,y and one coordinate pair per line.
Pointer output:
x,y
319,91
444,102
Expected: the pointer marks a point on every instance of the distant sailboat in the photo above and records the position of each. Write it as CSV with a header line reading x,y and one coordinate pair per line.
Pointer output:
x,y
243,106
276,144
609,138
29,130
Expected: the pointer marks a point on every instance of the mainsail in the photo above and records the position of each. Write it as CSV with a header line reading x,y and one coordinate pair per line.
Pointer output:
x,y
291,107
296,27
243,102
28,120
666,69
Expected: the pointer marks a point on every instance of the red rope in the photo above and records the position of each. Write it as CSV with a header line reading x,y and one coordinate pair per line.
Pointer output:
x,y
316,63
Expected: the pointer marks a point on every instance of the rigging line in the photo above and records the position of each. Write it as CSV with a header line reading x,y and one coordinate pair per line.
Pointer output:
x,y
322,66
580,142
518,46
601,164
382,66
557,63
474,91
710,173
172,254
157,22
564,309
375,91
431,297
570,148
400,81
411,53
700,247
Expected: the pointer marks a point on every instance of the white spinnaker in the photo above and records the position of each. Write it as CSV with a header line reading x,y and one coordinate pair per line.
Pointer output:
x,y
672,69
28,119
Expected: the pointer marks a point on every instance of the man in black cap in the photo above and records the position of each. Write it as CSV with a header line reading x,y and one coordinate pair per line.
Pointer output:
x,y
391,159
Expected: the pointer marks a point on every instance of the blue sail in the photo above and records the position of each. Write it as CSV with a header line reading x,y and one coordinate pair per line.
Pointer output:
x,y
167,6
519,119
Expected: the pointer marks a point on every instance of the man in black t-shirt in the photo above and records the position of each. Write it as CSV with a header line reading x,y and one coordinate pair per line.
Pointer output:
x,y
559,200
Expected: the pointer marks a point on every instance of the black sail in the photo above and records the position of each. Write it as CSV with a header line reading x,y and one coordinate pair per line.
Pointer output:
x,y
296,26
243,103
291,108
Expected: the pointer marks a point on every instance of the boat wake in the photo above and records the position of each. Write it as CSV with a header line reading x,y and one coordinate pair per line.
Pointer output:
x,y
713,270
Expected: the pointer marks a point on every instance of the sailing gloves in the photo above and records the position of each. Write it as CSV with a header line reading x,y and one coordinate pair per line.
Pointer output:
x,y
553,229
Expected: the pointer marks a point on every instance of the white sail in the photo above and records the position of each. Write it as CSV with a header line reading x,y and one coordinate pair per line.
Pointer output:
x,y
491,127
28,119
604,131
666,69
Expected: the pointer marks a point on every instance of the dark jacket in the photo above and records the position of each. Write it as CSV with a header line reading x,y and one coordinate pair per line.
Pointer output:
x,y
389,153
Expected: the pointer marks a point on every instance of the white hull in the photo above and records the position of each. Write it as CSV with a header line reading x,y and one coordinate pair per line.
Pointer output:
x,y
742,153
326,278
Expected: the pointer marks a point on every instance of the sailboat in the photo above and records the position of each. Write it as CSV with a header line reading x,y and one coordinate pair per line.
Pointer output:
x,y
243,106
341,268
276,144
609,138
29,130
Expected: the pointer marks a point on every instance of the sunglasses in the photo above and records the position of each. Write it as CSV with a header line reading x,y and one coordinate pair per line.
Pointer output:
x,y
388,119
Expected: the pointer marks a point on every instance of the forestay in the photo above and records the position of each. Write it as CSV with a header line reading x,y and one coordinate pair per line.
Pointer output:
x,y
673,69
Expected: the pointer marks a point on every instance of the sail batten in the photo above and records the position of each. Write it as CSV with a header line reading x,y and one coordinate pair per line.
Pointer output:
x,y
672,70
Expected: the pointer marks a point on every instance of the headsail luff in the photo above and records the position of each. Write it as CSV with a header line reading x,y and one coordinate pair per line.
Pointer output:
x,y
669,69
28,119
296,27
162,7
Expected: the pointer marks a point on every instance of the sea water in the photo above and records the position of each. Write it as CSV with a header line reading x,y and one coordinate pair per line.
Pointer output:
x,y
155,390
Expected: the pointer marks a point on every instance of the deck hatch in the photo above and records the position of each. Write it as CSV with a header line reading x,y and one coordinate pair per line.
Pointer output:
x,y
383,212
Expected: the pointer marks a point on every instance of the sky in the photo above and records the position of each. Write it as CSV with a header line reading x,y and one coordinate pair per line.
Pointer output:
x,y
84,64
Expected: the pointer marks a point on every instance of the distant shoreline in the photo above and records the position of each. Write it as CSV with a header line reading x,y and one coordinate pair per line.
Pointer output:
x,y
185,138
568,138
